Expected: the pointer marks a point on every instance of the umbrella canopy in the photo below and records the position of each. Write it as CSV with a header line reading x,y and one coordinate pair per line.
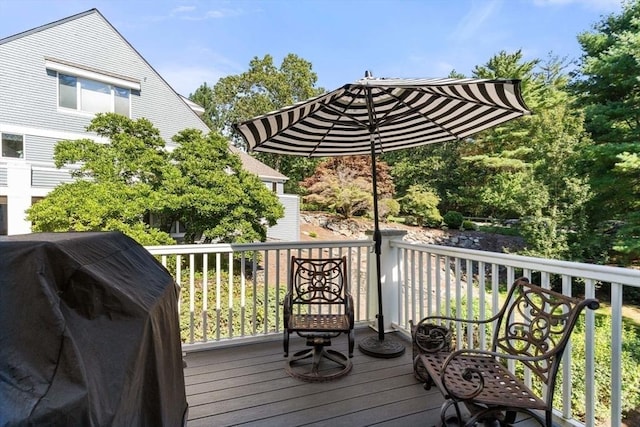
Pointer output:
x,y
399,113
377,115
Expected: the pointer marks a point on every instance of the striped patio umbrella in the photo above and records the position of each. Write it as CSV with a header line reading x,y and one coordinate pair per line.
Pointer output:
x,y
377,115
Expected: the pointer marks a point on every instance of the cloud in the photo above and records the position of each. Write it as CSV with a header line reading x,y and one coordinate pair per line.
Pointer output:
x,y
473,20
182,9
192,13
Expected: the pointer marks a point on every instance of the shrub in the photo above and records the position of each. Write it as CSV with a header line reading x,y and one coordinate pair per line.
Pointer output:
x,y
388,207
453,219
254,316
630,373
421,202
468,225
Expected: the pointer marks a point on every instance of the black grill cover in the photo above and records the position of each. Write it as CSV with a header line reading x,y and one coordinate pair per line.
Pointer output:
x,y
89,333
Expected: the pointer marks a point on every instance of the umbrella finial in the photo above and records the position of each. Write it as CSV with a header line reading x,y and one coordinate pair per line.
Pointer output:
x,y
368,74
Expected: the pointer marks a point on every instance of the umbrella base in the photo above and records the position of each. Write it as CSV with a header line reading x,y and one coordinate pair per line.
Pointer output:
x,y
386,349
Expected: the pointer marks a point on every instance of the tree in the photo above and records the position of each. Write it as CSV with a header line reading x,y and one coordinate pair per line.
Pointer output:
x,y
344,185
608,88
133,180
261,89
549,145
217,199
421,202
524,168
607,83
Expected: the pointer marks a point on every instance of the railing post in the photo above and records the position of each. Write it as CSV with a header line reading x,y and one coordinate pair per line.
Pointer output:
x,y
18,197
389,277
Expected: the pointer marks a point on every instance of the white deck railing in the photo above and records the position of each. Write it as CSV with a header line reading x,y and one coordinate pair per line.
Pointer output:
x,y
231,293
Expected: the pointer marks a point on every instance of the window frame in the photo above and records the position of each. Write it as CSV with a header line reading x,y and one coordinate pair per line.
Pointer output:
x,y
116,83
2,156
81,90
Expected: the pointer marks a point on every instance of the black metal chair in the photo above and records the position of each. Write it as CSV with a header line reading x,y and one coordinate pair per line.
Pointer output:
x,y
531,331
318,307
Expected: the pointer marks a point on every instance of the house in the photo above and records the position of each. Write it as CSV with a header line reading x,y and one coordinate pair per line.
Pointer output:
x,y
54,78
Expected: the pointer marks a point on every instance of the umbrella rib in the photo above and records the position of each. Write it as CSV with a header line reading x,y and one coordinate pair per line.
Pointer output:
x,y
340,113
411,109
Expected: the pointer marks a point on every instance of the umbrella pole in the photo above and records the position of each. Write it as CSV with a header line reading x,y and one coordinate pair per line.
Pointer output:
x,y
377,346
377,239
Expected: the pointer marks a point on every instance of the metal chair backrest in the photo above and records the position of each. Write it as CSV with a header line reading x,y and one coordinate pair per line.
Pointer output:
x,y
319,283
536,323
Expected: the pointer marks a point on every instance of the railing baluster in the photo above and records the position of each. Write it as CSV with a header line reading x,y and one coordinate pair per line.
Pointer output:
x,y
192,297
481,293
254,275
205,296
277,305
566,360
265,305
230,292
590,336
616,354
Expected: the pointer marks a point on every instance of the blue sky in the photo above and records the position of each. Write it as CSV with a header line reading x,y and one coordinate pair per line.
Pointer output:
x,y
194,41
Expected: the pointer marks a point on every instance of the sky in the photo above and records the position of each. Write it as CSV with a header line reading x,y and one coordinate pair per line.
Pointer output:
x,y
190,42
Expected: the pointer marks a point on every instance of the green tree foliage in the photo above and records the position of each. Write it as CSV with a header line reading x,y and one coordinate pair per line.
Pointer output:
x,y
344,185
547,189
421,202
608,81
525,168
609,90
122,184
263,88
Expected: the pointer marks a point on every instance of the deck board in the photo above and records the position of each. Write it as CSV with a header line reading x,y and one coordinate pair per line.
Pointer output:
x,y
248,385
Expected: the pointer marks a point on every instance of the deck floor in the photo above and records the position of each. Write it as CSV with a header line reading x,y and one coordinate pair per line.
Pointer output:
x,y
248,385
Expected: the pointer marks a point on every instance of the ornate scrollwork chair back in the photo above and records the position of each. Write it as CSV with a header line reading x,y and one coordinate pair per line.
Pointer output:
x,y
318,306
532,329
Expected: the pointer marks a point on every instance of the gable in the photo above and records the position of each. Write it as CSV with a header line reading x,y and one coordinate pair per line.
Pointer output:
x,y
85,41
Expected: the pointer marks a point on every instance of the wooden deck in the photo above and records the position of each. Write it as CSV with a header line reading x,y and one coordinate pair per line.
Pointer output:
x,y
248,385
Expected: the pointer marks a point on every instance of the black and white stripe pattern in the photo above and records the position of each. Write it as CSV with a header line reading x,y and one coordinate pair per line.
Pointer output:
x,y
406,113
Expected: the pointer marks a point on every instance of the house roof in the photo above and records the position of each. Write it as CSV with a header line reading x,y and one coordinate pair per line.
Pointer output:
x,y
255,166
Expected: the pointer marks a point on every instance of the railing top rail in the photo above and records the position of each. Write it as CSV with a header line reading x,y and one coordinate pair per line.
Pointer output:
x,y
621,275
234,247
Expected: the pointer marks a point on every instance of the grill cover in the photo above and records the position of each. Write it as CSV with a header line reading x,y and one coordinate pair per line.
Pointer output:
x,y
89,333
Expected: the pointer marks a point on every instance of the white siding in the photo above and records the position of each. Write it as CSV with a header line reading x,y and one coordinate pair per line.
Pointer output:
x,y
288,227
29,92
49,177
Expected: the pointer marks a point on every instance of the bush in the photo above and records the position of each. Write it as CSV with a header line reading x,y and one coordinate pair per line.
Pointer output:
x,y
468,225
240,320
630,373
421,202
387,208
453,219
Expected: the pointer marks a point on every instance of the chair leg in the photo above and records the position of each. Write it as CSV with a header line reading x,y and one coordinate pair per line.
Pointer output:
x,y
285,343
351,342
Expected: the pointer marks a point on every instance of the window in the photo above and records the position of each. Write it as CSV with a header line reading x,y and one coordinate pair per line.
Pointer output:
x,y
12,145
91,96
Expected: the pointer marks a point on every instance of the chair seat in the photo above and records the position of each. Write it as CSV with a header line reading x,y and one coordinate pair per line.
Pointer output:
x,y
500,386
319,322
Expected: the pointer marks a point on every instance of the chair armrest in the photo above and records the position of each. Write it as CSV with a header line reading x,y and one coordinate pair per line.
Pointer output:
x,y
286,306
349,309
430,319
